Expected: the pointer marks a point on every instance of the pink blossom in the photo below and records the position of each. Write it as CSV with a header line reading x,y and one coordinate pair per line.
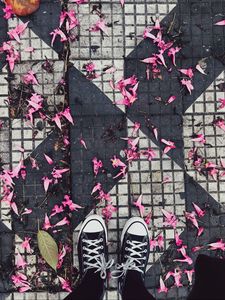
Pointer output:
x,y
170,219
177,277
57,173
68,202
219,245
97,164
139,205
147,34
27,211
14,208
20,262
20,281
187,72
178,241
150,153
26,244
90,67
65,284
122,3
24,288
57,120
67,114
131,155
108,211
58,32
116,162
15,33
83,143
186,258
163,288
189,274
148,218
197,248
198,210
104,196
150,60
12,56
200,231
192,218
57,209
155,132
61,256
47,182
169,145
161,59
222,103
172,53
220,123
30,78
171,99
188,84
96,188
63,222
221,23
199,138
8,12
212,169
129,93
100,25
49,160
47,223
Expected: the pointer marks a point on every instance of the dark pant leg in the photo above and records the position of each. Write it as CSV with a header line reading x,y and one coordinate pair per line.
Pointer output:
x,y
209,279
90,288
134,288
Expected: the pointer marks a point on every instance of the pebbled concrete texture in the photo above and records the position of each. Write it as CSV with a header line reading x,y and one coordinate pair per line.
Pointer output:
x,y
94,113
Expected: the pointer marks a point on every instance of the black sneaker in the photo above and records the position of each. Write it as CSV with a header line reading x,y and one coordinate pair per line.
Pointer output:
x,y
92,246
135,248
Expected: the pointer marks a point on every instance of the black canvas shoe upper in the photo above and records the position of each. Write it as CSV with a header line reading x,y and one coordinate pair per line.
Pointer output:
x,y
135,250
92,247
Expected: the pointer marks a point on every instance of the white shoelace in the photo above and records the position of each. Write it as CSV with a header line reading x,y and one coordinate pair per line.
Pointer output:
x,y
100,263
131,263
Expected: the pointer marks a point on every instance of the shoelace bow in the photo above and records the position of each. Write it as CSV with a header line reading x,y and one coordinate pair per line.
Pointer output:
x,y
132,263
100,263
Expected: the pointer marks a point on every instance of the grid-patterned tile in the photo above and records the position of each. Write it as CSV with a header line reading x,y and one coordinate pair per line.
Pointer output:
x,y
198,119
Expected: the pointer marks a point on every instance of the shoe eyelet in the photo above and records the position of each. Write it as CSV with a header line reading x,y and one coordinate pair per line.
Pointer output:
x,y
102,247
125,256
128,242
101,239
145,251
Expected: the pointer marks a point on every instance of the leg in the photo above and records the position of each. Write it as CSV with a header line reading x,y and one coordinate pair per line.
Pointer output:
x,y
90,288
134,287
209,279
